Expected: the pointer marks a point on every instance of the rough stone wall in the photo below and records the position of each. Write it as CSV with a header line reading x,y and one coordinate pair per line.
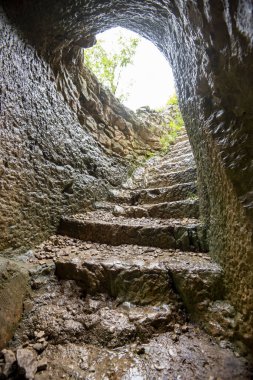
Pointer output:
x,y
49,164
63,137
209,44
115,127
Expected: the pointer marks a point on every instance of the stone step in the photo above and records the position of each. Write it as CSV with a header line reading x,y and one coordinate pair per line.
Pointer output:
x,y
104,227
181,143
155,165
107,322
154,195
180,157
142,276
170,158
165,194
180,151
188,208
167,166
72,314
183,137
161,180
171,178
173,160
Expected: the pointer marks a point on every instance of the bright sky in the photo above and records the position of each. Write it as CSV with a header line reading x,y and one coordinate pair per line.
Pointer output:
x,y
151,75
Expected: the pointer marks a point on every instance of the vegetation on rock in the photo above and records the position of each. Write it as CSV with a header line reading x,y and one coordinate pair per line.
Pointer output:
x,y
109,66
175,124
164,123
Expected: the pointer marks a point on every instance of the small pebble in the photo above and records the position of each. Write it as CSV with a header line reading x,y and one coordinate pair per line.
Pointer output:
x,y
39,334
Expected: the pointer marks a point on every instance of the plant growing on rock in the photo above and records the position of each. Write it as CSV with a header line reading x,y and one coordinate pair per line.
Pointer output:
x,y
108,66
174,125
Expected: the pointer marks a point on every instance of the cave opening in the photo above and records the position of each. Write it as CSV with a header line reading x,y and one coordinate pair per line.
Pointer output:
x,y
139,76
142,75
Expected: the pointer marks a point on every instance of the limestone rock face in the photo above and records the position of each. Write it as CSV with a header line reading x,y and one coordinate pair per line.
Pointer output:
x,y
119,130
13,287
64,134
49,164
209,45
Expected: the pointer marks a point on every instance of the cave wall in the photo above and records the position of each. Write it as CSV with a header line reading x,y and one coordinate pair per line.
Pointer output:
x,y
118,129
209,45
49,164
63,139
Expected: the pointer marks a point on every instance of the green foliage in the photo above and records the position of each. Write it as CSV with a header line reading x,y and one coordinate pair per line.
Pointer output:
x,y
192,196
149,154
172,101
174,126
108,66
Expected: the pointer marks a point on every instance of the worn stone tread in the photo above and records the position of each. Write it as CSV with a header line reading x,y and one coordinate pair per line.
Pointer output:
x,y
104,227
141,275
169,167
173,177
154,195
164,180
188,208
144,278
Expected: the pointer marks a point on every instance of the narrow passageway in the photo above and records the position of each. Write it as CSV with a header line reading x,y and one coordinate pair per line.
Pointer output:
x,y
165,224
124,254
132,280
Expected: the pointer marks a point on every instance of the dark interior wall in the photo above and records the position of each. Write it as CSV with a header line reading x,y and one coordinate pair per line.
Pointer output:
x,y
209,45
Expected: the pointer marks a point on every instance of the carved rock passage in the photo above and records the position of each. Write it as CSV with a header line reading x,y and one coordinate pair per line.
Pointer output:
x,y
122,310
209,45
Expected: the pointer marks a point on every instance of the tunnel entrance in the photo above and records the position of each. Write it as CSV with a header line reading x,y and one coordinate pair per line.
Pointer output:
x,y
132,68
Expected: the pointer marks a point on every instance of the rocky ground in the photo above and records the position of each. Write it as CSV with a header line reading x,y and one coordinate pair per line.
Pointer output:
x,y
126,290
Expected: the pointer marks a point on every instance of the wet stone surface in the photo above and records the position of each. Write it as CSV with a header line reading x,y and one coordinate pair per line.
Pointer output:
x,y
66,333
193,356
142,275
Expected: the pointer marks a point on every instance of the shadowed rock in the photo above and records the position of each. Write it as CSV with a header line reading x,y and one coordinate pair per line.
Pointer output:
x,y
13,288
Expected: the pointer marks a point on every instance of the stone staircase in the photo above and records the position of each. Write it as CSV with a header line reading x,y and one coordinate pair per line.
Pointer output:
x,y
132,279
157,207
